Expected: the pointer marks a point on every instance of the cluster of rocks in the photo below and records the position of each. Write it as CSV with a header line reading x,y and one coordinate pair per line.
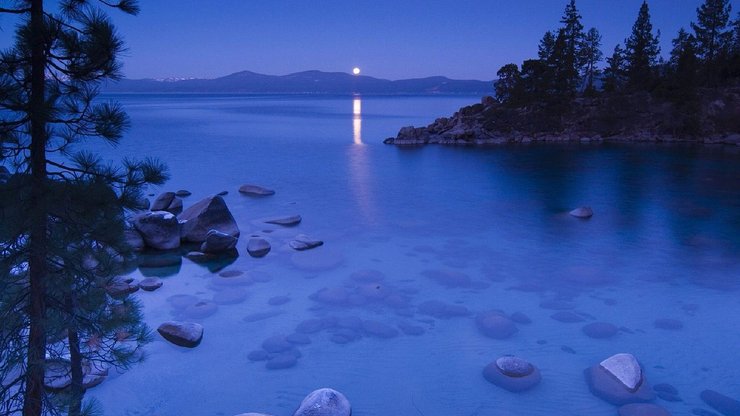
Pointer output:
x,y
321,402
208,223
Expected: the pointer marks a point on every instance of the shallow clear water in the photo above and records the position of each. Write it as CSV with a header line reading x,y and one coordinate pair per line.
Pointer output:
x,y
664,243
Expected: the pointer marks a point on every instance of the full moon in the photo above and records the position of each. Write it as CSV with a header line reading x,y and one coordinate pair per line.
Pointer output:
x,y
356,71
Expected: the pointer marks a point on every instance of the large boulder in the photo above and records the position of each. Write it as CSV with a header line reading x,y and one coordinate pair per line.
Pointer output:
x,y
619,380
512,373
218,242
169,202
184,334
134,240
209,214
324,402
159,229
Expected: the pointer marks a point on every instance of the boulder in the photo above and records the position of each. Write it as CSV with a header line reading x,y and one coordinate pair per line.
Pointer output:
x,y
303,242
512,373
721,403
169,202
159,229
150,284
619,380
119,288
184,334
324,402
258,247
285,221
182,193
255,190
218,242
208,214
134,240
493,324
582,212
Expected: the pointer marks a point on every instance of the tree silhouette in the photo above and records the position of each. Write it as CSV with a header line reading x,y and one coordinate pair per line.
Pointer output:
x,y
641,51
48,84
713,34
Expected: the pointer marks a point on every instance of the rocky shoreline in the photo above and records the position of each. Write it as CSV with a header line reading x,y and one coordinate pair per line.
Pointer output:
x,y
637,119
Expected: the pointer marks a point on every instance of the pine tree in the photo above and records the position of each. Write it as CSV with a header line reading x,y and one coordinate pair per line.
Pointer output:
x,y
684,63
641,51
48,84
508,84
544,50
713,31
591,56
614,73
573,36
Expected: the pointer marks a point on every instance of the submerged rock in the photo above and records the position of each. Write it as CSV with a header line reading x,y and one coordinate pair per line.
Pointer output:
x,y
206,215
150,284
512,373
184,334
721,403
182,193
379,329
448,278
288,221
567,317
324,402
493,324
303,242
255,190
582,212
668,324
258,247
600,330
159,229
442,310
282,361
619,380
642,409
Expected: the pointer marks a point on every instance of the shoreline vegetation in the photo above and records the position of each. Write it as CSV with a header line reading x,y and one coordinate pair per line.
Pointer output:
x,y
562,95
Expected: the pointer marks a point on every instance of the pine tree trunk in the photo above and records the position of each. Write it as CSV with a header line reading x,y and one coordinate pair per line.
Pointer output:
x,y
76,389
37,267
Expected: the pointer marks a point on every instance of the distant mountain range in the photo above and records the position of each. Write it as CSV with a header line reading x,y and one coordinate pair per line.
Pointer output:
x,y
308,82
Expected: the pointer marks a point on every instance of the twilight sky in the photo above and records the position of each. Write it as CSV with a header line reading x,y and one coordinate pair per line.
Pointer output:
x,y
386,38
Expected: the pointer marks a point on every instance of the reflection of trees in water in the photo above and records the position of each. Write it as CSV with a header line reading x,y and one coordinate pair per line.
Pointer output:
x,y
91,325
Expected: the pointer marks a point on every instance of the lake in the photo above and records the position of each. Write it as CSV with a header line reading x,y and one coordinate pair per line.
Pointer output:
x,y
474,229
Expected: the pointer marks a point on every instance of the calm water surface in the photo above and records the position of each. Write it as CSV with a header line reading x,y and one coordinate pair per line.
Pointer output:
x,y
664,243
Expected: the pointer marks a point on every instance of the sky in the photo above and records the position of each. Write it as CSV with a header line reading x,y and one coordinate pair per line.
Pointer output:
x,y
393,39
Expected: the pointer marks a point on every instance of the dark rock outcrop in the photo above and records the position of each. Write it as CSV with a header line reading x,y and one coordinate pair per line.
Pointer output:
x,y
206,215
159,229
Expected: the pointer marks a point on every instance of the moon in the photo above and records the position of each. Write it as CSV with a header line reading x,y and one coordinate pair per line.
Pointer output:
x,y
356,71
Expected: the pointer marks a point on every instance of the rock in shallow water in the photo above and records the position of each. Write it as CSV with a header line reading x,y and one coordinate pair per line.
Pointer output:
x,y
184,334
303,242
600,330
288,221
642,409
668,324
255,190
218,242
582,212
206,215
324,402
258,247
512,373
619,380
721,403
495,325
159,229
150,284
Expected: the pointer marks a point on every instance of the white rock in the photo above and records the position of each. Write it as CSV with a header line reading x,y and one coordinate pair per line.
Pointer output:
x,y
324,402
625,368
